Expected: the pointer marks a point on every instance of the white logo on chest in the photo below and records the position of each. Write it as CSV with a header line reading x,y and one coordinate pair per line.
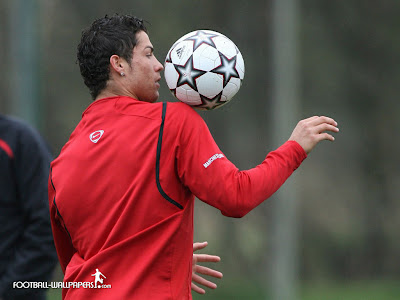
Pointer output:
x,y
96,135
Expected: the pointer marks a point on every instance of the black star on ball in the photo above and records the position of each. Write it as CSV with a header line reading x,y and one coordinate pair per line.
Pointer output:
x,y
201,37
227,68
211,103
188,74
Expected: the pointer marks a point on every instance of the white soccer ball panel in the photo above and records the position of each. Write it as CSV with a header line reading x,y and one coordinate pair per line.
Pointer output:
x,y
187,95
210,84
231,88
225,46
171,75
206,58
240,65
181,52
192,97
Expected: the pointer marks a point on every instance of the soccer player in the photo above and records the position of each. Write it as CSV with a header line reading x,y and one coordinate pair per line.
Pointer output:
x,y
122,189
26,247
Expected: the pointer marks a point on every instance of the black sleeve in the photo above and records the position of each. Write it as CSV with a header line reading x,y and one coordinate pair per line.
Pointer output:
x,y
35,255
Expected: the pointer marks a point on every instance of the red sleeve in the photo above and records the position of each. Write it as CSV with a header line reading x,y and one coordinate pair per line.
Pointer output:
x,y
212,178
62,239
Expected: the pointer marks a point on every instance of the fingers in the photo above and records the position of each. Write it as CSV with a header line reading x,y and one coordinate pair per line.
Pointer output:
x,y
320,120
311,118
325,127
200,280
328,125
207,271
309,132
198,246
203,270
325,136
197,289
206,258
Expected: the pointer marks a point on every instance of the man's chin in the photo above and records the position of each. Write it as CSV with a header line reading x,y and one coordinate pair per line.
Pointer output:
x,y
155,98
150,99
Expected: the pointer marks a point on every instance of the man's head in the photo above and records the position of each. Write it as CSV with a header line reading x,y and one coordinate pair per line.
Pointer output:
x,y
115,55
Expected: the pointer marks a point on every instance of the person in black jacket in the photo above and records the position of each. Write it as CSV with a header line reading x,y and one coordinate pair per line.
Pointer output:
x,y
27,252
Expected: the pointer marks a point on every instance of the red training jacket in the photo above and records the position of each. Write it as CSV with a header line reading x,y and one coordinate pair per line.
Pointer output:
x,y
122,191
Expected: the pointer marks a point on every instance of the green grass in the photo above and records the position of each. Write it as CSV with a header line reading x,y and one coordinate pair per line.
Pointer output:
x,y
359,290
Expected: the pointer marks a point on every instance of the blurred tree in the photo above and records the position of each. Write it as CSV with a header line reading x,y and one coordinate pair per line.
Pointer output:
x,y
24,57
285,111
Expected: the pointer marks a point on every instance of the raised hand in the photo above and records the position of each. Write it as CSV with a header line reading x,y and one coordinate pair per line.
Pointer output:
x,y
309,132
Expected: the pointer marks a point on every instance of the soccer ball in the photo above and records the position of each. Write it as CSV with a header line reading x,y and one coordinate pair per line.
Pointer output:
x,y
204,69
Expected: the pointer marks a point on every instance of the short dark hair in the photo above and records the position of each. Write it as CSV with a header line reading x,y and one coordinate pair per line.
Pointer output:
x,y
105,37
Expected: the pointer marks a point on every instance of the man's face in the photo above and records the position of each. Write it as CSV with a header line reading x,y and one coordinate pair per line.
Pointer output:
x,y
144,74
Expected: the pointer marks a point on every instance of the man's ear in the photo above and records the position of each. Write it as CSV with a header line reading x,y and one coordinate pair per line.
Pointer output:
x,y
118,64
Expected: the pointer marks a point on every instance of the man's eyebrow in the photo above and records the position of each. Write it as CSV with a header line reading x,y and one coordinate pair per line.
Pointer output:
x,y
149,47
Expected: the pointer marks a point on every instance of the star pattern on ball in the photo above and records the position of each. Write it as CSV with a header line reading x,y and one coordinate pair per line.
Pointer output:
x,y
210,103
187,74
227,68
201,37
